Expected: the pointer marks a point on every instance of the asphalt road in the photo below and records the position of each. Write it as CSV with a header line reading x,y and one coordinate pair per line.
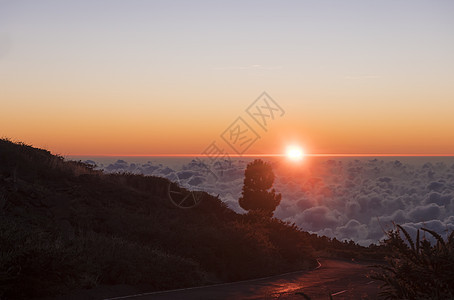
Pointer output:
x,y
340,279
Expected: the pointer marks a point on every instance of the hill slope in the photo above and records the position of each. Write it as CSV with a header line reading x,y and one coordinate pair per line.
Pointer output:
x,y
65,226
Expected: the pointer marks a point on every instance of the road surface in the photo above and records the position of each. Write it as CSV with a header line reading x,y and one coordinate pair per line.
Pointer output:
x,y
341,279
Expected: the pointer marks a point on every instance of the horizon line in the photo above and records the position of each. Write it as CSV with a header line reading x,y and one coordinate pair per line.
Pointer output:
x,y
274,155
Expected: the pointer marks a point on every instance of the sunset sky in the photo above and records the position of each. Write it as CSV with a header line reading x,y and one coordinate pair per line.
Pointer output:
x,y
168,77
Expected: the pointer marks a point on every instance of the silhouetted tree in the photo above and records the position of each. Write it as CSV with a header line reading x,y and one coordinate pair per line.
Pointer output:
x,y
258,195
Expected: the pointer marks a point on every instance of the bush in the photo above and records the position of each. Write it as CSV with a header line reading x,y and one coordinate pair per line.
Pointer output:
x,y
45,264
258,194
417,270
66,226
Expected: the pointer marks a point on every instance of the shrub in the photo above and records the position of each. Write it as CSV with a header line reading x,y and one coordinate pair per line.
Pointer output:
x,y
258,194
66,226
45,264
417,269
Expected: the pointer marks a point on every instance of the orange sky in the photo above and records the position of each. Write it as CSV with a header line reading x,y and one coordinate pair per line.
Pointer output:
x,y
158,79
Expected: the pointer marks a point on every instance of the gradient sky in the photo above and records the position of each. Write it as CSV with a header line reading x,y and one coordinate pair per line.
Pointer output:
x,y
148,77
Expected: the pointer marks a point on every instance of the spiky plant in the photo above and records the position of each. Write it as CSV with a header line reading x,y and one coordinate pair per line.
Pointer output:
x,y
417,270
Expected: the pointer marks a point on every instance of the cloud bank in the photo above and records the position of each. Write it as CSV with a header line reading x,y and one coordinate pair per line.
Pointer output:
x,y
344,198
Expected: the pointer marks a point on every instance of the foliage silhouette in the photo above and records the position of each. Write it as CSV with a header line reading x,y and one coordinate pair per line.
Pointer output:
x,y
65,226
258,195
417,269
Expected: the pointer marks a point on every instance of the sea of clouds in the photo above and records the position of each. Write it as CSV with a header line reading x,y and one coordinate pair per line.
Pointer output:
x,y
338,197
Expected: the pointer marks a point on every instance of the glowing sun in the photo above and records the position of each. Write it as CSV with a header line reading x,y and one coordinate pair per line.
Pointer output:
x,y
294,153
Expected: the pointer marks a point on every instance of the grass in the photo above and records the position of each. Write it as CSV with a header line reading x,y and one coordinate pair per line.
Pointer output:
x,y
65,226
417,269
47,264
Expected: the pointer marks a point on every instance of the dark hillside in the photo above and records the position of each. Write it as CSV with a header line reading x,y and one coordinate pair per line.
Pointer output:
x,y
65,226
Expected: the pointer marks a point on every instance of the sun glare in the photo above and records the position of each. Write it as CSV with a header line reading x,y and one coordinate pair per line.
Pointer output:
x,y
294,153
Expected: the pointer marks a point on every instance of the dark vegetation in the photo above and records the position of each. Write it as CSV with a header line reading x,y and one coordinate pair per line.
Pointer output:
x,y
65,226
417,269
258,196
333,248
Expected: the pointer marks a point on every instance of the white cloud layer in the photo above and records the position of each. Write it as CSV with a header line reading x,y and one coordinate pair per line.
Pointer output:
x,y
342,198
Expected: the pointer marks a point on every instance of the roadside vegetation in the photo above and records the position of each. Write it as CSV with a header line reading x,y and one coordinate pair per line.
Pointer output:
x,y
417,269
65,226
